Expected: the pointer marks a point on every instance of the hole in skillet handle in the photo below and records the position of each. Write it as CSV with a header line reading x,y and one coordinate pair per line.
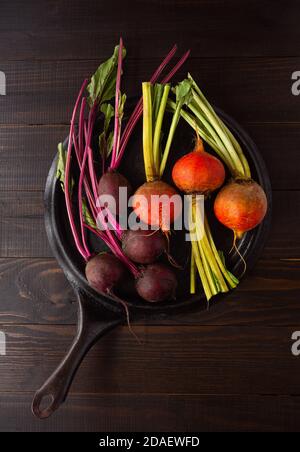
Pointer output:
x,y
43,404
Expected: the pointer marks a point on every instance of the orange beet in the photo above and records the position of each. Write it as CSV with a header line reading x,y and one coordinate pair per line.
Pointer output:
x,y
198,172
241,206
151,203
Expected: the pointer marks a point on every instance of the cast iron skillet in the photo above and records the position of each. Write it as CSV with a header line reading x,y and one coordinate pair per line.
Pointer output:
x,y
98,314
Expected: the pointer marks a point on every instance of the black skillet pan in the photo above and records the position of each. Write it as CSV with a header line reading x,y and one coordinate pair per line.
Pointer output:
x,y
98,314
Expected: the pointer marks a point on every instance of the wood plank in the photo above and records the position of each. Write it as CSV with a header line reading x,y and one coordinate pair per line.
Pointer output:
x,y
250,89
22,227
36,291
26,154
39,29
208,359
159,413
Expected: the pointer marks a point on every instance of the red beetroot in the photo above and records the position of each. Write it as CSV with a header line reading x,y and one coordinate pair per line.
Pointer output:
x,y
104,272
110,184
144,247
241,206
157,283
198,171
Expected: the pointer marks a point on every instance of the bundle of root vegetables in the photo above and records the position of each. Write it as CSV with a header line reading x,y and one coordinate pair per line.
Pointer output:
x,y
240,204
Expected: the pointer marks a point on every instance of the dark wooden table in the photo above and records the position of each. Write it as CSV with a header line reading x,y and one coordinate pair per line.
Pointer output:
x,y
227,369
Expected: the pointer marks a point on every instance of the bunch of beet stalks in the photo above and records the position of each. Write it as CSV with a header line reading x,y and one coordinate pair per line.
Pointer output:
x,y
134,252
240,205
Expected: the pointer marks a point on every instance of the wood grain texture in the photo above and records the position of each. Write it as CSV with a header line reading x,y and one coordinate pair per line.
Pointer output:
x,y
26,154
151,413
22,225
61,29
172,359
36,291
44,92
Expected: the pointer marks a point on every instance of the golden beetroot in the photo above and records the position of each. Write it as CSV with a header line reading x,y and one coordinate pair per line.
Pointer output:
x,y
198,171
241,206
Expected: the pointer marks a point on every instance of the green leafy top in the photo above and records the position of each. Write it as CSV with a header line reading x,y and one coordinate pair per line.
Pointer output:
x,y
106,137
183,91
61,167
122,101
108,112
103,83
88,219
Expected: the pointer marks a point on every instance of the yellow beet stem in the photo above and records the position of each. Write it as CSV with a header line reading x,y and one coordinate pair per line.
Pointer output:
x,y
158,126
203,240
197,258
201,271
229,278
147,132
174,123
204,252
209,274
193,274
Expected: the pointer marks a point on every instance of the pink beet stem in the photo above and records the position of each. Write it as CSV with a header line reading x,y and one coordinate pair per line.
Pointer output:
x,y
92,173
82,164
111,219
85,182
176,67
113,243
91,121
108,237
112,240
93,178
115,246
81,178
81,127
117,102
99,234
139,107
67,176
115,225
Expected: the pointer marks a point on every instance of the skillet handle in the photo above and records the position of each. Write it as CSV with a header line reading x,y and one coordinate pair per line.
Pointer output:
x,y
90,329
